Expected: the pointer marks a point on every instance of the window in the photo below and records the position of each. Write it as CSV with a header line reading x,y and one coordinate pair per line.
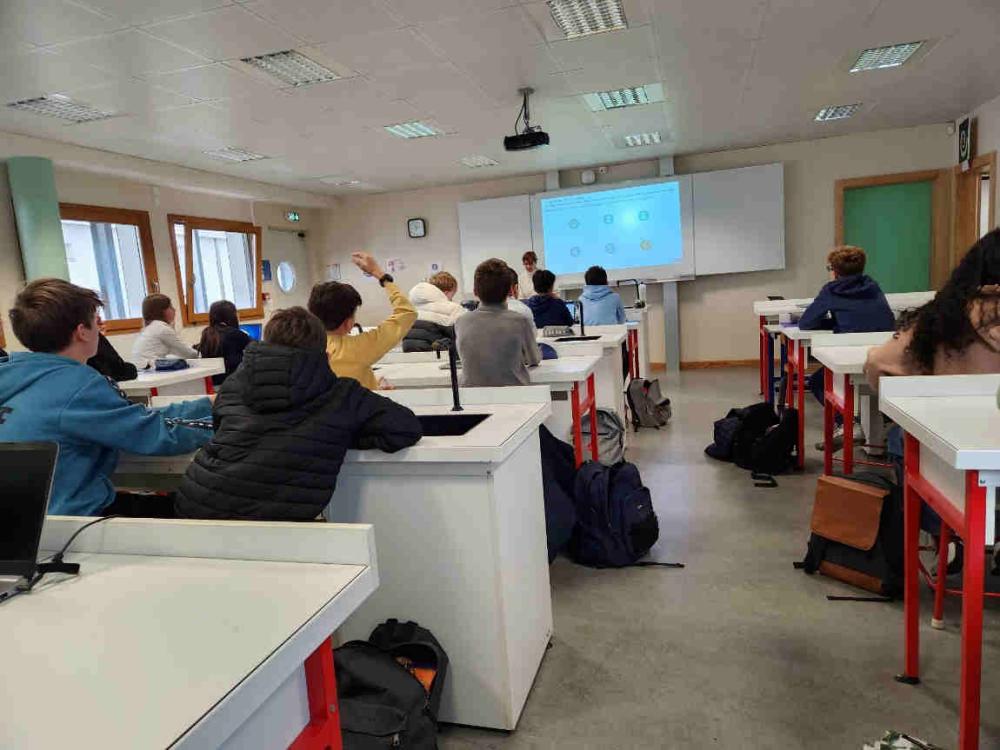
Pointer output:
x,y
110,250
215,260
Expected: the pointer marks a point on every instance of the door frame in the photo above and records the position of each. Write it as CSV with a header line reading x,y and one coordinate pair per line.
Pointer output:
x,y
965,229
941,202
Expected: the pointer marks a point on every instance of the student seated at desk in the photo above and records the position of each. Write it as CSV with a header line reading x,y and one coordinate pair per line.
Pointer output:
x,y
336,304
514,299
497,346
109,363
223,338
158,338
601,306
284,423
546,306
49,394
436,313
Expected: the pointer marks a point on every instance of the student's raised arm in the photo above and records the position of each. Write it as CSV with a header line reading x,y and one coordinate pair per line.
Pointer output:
x,y
382,423
98,413
384,337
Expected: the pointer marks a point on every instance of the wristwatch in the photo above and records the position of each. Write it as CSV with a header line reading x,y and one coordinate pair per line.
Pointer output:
x,y
386,278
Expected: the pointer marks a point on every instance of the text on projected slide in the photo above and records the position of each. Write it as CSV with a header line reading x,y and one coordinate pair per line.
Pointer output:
x,y
620,228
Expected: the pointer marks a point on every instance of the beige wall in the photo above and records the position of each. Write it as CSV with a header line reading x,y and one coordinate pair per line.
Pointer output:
x,y
987,119
716,323
76,186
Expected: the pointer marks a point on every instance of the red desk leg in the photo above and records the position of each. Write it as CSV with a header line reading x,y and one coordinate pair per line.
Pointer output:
x,y
577,426
592,407
941,583
848,417
828,422
209,386
911,556
972,612
761,333
789,372
323,730
633,353
153,393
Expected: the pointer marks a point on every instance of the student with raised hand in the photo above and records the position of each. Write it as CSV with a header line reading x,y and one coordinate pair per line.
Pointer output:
x,y
283,424
546,306
158,338
223,338
956,333
49,394
336,304
497,345
601,306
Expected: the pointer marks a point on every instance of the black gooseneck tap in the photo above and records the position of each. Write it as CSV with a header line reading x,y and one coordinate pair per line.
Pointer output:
x,y
453,368
579,310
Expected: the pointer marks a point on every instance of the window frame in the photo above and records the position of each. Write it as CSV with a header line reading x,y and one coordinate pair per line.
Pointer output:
x,y
129,216
190,223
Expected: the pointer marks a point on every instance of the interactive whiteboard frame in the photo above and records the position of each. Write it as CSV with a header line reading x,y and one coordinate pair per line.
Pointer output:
x,y
667,272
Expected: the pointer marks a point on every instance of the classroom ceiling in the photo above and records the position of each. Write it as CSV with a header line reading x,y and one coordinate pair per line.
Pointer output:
x,y
734,73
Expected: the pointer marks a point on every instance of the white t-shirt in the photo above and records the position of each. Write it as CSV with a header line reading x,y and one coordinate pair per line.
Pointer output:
x,y
519,307
156,341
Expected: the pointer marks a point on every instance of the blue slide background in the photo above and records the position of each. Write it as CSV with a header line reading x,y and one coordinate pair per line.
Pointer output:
x,y
617,228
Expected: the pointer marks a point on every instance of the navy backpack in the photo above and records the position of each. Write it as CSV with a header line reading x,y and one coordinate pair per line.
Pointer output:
x,y
615,521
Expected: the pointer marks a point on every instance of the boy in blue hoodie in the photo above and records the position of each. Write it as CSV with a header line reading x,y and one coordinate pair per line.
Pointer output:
x,y
50,394
601,306
546,306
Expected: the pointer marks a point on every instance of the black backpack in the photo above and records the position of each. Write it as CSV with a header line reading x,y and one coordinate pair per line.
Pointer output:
x,y
382,702
774,451
615,521
735,434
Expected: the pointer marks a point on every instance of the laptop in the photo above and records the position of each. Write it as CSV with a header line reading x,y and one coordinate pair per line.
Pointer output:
x,y
26,471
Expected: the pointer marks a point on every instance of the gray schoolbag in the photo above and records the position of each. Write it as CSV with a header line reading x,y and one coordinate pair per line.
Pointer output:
x,y
648,407
610,436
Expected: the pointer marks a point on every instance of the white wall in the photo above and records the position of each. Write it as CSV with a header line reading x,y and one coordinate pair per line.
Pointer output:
x,y
716,323
987,118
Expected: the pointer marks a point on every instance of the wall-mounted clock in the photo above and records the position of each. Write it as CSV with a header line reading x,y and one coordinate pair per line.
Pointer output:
x,y
417,228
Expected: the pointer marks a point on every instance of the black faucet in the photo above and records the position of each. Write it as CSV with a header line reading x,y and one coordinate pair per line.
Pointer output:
x,y
579,309
453,368
639,303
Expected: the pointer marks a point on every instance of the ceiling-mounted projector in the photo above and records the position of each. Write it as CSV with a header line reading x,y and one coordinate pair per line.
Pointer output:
x,y
532,136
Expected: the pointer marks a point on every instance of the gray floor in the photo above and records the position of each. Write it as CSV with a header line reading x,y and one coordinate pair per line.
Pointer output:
x,y
738,650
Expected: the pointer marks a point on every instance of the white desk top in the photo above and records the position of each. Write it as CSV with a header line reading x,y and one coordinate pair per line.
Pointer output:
x,y
560,374
794,333
200,368
146,649
610,337
898,302
842,360
955,416
828,338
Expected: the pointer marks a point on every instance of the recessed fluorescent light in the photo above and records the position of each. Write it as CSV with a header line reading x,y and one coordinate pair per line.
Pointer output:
x,y
292,67
642,139
340,181
891,56
475,161
413,129
234,153
61,106
837,112
576,18
632,96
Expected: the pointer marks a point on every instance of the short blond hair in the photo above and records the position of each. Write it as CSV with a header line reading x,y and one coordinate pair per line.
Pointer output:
x,y
847,260
444,281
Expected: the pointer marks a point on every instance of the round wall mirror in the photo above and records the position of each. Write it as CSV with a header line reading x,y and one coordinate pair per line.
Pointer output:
x,y
286,276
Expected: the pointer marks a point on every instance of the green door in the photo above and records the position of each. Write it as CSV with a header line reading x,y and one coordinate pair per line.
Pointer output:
x,y
892,223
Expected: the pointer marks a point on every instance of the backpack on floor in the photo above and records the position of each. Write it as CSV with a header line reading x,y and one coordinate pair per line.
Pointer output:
x,y
647,406
558,478
857,532
735,434
389,688
615,521
610,436
774,451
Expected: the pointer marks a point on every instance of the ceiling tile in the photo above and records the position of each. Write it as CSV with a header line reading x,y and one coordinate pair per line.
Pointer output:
x,y
224,34
498,36
613,76
46,22
382,52
439,90
216,81
636,15
423,11
355,102
131,52
130,97
136,12
41,72
318,21
604,49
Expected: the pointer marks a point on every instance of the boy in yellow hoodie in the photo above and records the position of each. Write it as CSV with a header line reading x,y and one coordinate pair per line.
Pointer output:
x,y
336,303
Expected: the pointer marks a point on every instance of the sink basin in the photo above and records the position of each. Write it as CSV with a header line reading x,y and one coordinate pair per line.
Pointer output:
x,y
578,338
449,424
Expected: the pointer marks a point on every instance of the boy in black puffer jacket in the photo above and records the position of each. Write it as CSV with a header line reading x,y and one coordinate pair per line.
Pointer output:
x,y
283,423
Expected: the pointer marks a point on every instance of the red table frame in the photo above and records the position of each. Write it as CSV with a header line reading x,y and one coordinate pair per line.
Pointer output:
x,y
589,405
763,334
795,393
209,389
633,353
970,525
323,730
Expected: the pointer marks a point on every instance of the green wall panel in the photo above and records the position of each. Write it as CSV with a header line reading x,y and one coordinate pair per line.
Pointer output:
x,y
36,211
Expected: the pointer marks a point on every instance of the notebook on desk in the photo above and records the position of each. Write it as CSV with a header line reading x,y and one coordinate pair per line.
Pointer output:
x,y
26,471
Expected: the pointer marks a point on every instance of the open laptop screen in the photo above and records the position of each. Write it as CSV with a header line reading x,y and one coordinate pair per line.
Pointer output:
x,y
25,480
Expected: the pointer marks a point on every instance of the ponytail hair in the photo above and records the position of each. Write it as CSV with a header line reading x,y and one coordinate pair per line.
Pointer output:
x,y
222,316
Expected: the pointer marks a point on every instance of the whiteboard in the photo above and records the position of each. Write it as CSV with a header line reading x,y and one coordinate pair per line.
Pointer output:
x,y
493,228
739,220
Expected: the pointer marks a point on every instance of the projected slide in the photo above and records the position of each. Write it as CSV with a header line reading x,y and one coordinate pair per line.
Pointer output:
x,y
618,228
